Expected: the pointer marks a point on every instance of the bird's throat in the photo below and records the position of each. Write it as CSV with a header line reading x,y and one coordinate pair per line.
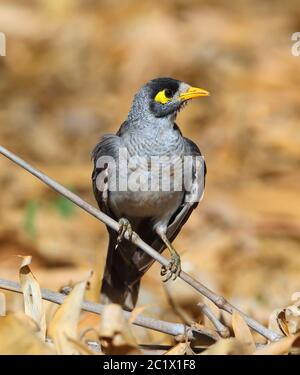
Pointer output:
x,y
162,138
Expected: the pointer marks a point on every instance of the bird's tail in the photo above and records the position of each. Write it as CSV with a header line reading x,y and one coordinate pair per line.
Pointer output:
x,y
126,264
121,279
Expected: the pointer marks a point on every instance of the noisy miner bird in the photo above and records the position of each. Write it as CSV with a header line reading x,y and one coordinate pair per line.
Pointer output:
x,y
155,213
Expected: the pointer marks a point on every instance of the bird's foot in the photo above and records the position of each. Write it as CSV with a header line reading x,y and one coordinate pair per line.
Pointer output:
x,y
173,268
124,226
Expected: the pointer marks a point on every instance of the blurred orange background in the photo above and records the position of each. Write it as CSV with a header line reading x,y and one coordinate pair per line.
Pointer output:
x,y
70,72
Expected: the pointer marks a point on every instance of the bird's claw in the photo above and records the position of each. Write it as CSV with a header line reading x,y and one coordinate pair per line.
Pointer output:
x,y
172,269
124,226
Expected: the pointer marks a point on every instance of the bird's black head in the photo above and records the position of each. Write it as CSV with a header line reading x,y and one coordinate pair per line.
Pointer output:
x,y
162,97
162,94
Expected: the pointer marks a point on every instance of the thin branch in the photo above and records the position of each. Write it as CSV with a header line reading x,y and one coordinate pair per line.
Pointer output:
x,y
173,329
218,300
222,330
219,326
186,319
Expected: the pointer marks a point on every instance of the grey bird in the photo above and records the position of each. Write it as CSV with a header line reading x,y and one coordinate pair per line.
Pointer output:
x,y
156,215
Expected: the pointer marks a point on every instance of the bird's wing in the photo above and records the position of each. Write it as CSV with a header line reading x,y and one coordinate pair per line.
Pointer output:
x,y
194,194
120,283
107,148
190,201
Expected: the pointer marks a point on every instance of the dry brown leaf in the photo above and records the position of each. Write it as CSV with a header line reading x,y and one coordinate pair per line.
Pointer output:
x,y
81,347
115,334
89,320
18,337
229,346
28,321
2,304
292,317
95,281
32,295
282,322
63,325
274,323
206,331
136,312
287,320
282,346
242,333
183,348
295,349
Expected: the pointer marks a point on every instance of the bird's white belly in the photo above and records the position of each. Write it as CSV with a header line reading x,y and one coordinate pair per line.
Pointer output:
x,y
147,193
144,203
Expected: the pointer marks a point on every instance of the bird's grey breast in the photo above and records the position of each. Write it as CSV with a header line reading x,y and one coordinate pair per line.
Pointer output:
x,y
154,153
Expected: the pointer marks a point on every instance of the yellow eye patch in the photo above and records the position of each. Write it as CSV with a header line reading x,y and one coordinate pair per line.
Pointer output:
x,y
163,96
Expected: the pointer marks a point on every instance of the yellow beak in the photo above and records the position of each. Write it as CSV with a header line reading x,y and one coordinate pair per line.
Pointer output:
x,y
193,92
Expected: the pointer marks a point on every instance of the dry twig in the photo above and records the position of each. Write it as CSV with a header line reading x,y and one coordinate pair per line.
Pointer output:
x,y
219,326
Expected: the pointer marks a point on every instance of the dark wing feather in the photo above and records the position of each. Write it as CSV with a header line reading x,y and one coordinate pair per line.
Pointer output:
x,y
181,216
120,282
107,147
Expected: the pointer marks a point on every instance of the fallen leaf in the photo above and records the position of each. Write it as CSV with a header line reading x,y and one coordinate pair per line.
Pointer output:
x,y
275,324
18,337
242,333
115,334
28,321
206,331
282,322
64,323
229,346
96,280
277,348
136,312
295,348
292,317
183,348
32,295
81,348
287,320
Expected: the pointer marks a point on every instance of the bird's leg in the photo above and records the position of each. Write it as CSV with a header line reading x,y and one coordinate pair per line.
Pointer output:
x,y
124,226
174,267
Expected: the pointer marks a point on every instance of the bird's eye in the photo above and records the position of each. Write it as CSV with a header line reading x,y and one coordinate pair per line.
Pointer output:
x,y
163,96
168,93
